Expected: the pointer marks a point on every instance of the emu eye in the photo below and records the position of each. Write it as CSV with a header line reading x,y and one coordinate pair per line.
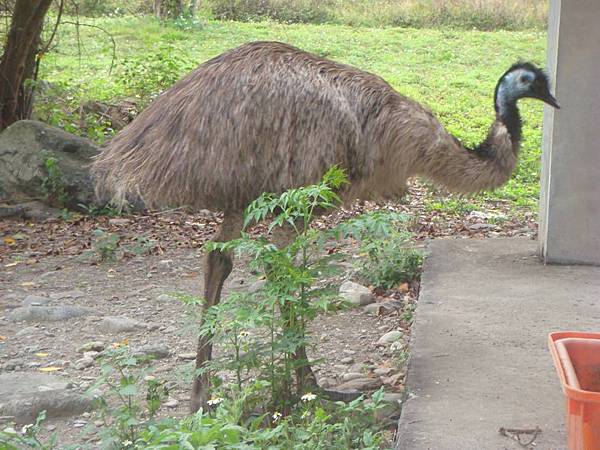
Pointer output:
x,y
524,79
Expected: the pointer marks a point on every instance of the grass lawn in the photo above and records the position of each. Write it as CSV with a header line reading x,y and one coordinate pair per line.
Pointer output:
x,y
452,72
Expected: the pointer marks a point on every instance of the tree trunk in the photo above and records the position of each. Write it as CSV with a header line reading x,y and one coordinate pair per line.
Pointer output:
x,y
18,60
158,8
194,7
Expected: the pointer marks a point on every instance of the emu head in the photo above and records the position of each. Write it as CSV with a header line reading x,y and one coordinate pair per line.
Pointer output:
x,y
524,80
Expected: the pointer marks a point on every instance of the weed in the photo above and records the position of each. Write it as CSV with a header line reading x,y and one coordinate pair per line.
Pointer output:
x,y
385,240
148,74
126,380
451,205
54,184
293,295
96,210
285,11
105,245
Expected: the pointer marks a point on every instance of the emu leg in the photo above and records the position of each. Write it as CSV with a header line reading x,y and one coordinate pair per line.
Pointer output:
x,y
218,268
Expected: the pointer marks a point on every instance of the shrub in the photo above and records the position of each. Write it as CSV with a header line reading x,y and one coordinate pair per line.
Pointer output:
x,y
391,256
147,74
286,11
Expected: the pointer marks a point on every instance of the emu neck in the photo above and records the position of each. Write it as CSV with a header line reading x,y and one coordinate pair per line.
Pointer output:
x,y
507,112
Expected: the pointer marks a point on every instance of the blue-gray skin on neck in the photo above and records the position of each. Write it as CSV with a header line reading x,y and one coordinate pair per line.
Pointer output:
x,y
513,86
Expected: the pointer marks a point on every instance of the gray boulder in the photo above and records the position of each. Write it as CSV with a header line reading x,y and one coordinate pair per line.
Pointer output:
x,y
23,395
25,147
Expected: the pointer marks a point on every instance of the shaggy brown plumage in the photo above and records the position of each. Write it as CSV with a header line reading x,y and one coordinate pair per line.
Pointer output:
x,y
268,117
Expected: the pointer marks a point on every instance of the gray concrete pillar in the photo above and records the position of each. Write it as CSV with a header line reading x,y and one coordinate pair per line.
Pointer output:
x,y
570,194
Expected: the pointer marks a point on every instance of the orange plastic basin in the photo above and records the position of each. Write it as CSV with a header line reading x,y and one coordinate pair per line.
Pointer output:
x,y
577,360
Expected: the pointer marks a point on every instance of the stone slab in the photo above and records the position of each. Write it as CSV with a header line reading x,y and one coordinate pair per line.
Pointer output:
x,y
479,353
23,395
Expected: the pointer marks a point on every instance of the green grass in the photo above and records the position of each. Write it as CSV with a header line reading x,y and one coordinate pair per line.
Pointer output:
x,y
452,72
464,14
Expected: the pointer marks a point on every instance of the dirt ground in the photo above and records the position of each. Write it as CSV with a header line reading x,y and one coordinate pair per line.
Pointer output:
x,y
160,254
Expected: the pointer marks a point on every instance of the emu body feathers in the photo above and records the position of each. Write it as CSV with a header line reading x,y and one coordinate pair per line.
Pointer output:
x,y
267,117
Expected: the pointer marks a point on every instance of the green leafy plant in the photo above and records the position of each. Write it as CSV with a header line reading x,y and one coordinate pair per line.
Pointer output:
x,y
11,439
384,238
286,11
130,399
105,245
293,295
54,184
97,210
147,74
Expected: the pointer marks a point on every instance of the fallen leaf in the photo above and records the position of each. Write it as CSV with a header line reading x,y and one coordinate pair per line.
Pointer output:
x,y
27,283
42,355
2,338
404,288
49,369
12,264
9,241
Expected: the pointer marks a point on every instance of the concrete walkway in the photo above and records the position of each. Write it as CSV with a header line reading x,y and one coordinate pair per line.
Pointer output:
x,y
479,354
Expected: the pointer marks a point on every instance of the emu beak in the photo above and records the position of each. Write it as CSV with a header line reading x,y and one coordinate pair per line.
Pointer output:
x,y
550,100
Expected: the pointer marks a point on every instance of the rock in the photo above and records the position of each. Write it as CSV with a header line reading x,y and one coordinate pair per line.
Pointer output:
x,y
347,360
35,300
119,222
27,331
25,394
391,408
156,351
68,294
187,356
84,363
47,313
95,346
352,376
356,293
91,354
393,397
326,382
25,146
481,226
165,264
383,371
373,309
171,403
79,423
390,336
397,346
256,286
360,384
486,215
116,324
166,298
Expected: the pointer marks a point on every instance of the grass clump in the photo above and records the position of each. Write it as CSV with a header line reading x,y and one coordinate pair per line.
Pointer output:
x,y
284,11
463,14
390,255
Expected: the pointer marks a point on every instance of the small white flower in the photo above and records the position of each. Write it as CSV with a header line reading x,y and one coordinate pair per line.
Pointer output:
x,y
214,401
26,427
309,396
126,443
276,416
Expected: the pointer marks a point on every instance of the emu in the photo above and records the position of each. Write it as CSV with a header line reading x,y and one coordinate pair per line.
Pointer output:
x,y
267,116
